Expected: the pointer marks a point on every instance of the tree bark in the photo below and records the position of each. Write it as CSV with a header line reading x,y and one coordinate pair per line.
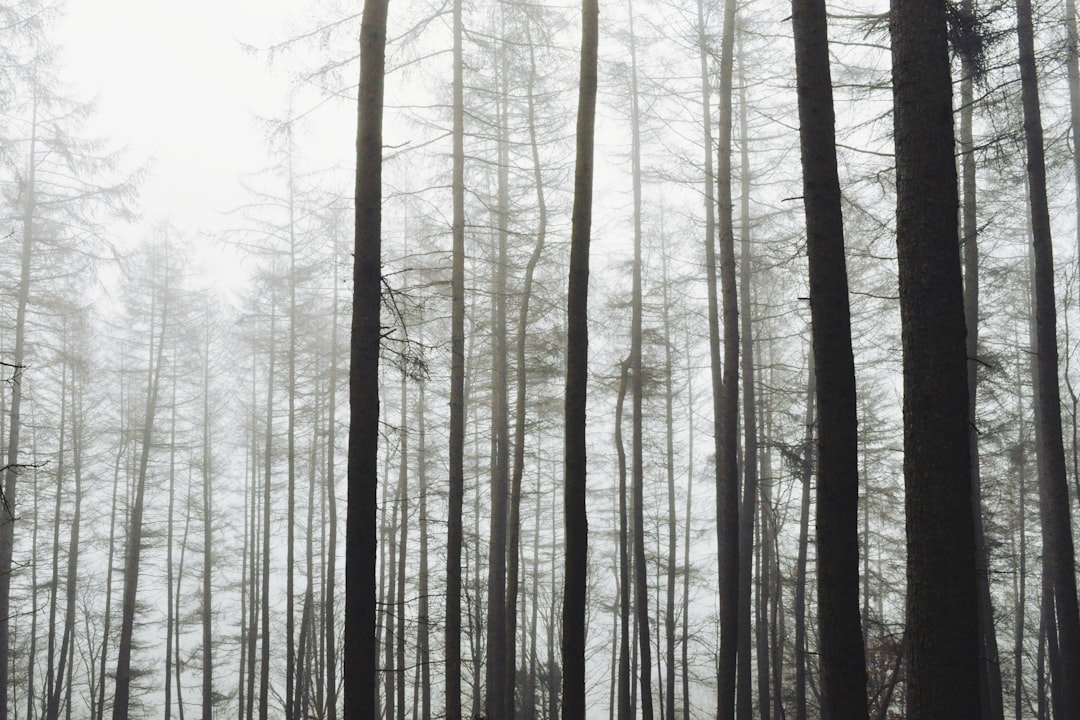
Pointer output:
x,y
577,352
727,419
1058,549
843,660
456,480
942,648
360,539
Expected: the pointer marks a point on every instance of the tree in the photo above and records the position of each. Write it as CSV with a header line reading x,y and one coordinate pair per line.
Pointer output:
x,y
942,647
577,353
360,664
843,663
1058,555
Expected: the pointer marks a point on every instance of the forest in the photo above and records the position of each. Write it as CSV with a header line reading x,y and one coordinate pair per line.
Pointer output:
x,y
549,361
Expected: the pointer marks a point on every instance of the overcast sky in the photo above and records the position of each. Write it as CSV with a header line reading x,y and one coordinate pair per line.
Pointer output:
x,y
174,85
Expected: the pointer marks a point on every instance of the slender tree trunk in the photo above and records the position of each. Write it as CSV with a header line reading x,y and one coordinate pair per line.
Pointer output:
x,y
497,636
18,360
330,595
52,677
514,530
423,643
170,606
686,533
744,681
456,479
942,648
625,707
67,643
133,551
806,474
1058,554
577,351
268,442
843,662
106,631
672,548
727,406
989,670
208,533
641,568
360,538
403,547
290,502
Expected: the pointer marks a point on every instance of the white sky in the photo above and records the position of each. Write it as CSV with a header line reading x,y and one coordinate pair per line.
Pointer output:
x,y
174,86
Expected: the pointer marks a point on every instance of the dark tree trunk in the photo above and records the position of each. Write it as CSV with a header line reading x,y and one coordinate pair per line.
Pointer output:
x,y
625,708
989,669
942,647
641,568
805,475
1058,553
456,478
577,352
744,681
360,536
843,661
727,404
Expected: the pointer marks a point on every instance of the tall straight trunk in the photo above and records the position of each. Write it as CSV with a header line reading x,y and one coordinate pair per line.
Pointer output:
x,y
330,594
456,480
402,549
267,483
685,637
170,606
423,642
744,687
208,535
942,648
18,361
71,591
497,682
360,538
306,656
290,502
518,470
990,698
51,676
106,630
577,353
843,660
178,663
806,473
243,698
672,521
254,582
1058,553
727,406
1020,578
641,568
133,550
391,502
625,707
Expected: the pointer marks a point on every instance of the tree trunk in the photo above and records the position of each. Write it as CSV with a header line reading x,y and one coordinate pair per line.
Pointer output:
x,y
11,470
942,646
577,350
727,403
989,669
133,551
513,542
806,474
268,443
1058,554
626,709
641,568
360,539
843,661
456,478
744,681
